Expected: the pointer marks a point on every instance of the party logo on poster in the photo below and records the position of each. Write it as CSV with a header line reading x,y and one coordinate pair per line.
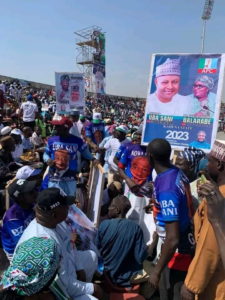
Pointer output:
x,y
207,65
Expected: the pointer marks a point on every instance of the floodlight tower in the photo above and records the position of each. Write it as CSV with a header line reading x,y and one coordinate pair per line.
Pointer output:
x,y
207,12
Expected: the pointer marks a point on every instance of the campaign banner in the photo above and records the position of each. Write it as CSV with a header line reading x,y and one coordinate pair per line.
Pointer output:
x,y
183,100
70,92
101,48
87,82
99,72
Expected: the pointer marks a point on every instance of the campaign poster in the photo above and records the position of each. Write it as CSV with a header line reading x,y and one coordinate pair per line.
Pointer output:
x,y
102,48
79,223
183,100
70,92
99,72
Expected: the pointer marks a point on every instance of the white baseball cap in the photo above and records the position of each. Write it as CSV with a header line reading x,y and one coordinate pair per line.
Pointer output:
x,y
123,129
26,171
16,131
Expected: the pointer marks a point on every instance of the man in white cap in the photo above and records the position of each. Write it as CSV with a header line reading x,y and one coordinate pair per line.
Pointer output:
x,y
113,145
16,134
166,100
94,131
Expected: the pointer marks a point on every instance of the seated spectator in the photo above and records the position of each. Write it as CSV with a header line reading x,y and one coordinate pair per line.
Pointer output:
x,y
16,134
113,190
123,250
36,138
27,133
24,286
6,159
19,215
76,267
61,176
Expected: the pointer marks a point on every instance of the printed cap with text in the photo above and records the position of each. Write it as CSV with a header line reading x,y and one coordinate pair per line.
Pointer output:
x,y
19,186
218,151
52,197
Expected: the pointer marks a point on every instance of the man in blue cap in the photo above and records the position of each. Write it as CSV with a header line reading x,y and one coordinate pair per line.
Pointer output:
x,y
29,112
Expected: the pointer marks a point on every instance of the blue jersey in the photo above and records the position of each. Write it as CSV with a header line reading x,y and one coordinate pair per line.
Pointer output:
x,y
95,132
72,144
14,223
200,145
173,203
127,153
66,181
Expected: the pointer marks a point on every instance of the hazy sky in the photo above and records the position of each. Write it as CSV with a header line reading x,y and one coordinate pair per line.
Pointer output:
x,y
37,36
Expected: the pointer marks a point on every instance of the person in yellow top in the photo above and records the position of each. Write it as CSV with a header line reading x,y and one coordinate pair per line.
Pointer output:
x,y
206,276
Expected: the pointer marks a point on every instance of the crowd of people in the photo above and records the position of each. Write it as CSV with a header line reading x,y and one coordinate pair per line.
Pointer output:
x,y
161,229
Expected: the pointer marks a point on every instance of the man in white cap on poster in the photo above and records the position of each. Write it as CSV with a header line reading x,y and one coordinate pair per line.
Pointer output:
x,y
166,100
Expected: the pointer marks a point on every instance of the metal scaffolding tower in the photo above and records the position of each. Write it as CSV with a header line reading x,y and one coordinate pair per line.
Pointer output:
x,y
86,47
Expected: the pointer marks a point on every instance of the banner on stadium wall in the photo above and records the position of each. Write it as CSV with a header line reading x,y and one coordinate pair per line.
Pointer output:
x,y
183,100
70,92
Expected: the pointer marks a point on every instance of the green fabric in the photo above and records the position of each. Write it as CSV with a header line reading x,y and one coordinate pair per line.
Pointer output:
x,y
96,121
43,127
34,264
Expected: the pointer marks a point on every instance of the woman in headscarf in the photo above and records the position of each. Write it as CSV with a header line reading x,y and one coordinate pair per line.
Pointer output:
x,y
32,272
205,104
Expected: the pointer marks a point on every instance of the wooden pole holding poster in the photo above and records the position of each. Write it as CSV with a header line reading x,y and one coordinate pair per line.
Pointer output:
x,y
95,193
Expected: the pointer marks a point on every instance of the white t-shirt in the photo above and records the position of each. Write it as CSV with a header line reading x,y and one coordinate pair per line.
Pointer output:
x,y
18,152
113,144
29,109
179,106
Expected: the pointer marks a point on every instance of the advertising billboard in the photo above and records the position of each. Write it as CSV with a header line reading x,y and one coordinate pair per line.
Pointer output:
x,y
183,99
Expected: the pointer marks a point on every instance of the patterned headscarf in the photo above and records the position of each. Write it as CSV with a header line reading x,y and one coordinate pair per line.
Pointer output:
x,y
192,154
34,264
206,80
